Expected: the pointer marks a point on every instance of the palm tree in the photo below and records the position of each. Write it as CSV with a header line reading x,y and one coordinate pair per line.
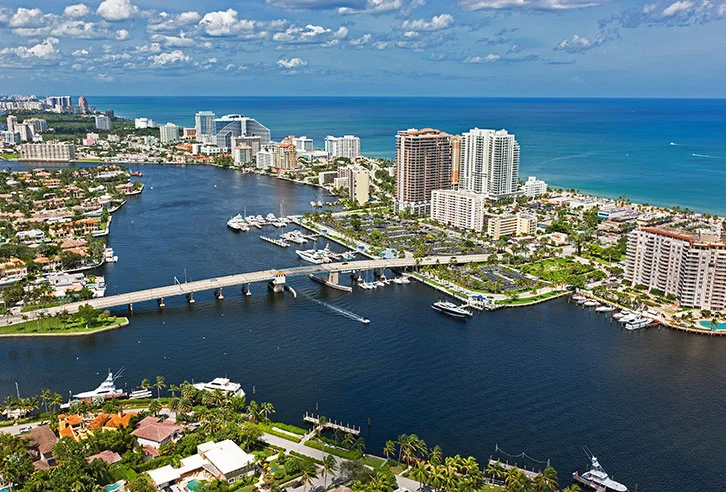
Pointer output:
x,y
348,440
572,488
56,400
45,396
435,455
159,385
253,411
359,444
266,408
173,389
145,384
155,406
496,470
547,481
420,473
389,449
308,474
403,441
329,466
188,390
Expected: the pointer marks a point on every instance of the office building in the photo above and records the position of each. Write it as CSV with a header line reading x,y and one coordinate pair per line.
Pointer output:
x,y
346,146
237,125
356,179
303,144
59,152
83,105
103,122
511,225
254,142
688,265
204,124
144,123
12,122
490,163
169,133
423,164
534,187
458,208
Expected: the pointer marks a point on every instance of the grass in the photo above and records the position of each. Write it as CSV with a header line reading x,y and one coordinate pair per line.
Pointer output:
x,y
55,325
372,461
527,300
10,156
284,435
352,454
89,159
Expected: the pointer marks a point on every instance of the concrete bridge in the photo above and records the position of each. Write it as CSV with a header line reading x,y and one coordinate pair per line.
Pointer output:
x,y
277,276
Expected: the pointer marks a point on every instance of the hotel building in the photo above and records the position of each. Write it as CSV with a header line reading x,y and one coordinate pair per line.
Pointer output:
x,y
168,133
356,179
534,187
688,265
423,164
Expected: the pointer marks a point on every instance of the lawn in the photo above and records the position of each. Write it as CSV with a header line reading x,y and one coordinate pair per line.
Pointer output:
x,y
54,325
372,461
561,271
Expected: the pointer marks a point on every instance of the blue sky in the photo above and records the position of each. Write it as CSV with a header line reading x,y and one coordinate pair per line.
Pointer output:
x,y
517,48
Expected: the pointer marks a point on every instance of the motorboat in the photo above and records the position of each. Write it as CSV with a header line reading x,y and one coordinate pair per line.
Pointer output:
x,y
108,256
222,384
107,389
315,256
597,479
637,324
451,309
591,303
238,223
604,309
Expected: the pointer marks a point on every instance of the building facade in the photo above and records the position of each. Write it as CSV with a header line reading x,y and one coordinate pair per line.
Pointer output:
x,y
347,146
690,266
59,152
490,163
511,225
356,179
103,122
534,187
144,123
237,125
459,208
204,125
169,133
423,164
303,144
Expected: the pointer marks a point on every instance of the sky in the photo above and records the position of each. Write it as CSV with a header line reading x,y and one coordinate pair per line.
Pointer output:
x,y
487,48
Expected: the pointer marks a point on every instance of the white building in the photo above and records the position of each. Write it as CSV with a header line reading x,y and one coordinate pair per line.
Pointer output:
x,y
459,208
59,152
490,163
103,122
204,125
511,225
345,146
534,187
12,122
39,125
26,132
265,158
242,155
303,144
144,123
356,179
169,133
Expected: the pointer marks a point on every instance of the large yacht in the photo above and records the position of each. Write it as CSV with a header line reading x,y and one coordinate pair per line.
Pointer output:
x,y
315,256
107,389
222,384
238,223
451,309
596,479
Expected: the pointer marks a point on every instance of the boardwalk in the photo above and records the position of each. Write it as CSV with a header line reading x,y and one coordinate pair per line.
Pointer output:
x,y
247,278
315,420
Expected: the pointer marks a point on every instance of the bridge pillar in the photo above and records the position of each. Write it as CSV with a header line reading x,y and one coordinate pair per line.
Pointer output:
x,y
218,294
333,277
131,308
278,284
160,302
246,290
190,298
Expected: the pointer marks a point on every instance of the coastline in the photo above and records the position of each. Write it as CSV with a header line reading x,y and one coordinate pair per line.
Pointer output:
x,y
116,326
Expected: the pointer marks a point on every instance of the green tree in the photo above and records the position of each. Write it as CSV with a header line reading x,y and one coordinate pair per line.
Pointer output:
x,y
329,466
159,385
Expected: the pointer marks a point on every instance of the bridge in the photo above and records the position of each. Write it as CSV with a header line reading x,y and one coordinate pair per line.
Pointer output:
x,y
276,276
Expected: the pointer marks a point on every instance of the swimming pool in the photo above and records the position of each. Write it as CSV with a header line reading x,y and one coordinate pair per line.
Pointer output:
x,y
193,484
709,325
110,488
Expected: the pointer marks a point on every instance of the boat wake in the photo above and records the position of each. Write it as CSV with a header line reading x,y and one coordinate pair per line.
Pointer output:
x,y
706,156
341,311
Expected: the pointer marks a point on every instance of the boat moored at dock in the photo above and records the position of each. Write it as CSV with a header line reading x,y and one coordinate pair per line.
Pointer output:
x,y
107,389
597,480
222,384
451,309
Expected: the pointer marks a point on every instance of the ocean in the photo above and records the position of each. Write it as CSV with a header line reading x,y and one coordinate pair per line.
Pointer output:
x,y
658,151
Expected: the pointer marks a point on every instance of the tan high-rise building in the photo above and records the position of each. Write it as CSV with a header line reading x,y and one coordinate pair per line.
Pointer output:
x,y
457,157
688,265
423,164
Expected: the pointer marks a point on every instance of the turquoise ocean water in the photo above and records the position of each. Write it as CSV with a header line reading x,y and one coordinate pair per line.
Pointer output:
x,y
656,151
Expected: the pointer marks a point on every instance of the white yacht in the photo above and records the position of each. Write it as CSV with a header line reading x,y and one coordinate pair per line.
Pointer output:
x,y
270,217
591,303
637,323
108,256
107,389
223,384
597,479
451,309
315,256
237,223
604,309
294,237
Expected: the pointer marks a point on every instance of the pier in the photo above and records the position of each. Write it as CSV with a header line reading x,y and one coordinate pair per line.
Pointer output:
x,y
275,275
315,420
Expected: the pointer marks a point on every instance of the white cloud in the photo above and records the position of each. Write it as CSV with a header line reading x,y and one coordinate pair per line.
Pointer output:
x,y
170,58
28,18
531,4
291,63
437,22
365,39
677,8
373,7
491,58
122,34
76,11
117,10
225,23
580,44
175,41
167,22
81,52
311,34
45,49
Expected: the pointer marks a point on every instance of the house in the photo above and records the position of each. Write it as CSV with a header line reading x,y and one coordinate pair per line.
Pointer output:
x,y
41,441
154,432
72,426
110,421
108,456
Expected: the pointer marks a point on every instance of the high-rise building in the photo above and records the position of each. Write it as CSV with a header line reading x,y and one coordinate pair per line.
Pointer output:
x,y
303,144
511,225
534,187
12,123
254,142
346,146
103,122
237,125
423,164
490,163
189,133
83,104
110,114
690,265
39,125
144,123
59,152
280,157
10,138
356,180
26,132
458,208
168,133
204,124
58,101
242,155
456,160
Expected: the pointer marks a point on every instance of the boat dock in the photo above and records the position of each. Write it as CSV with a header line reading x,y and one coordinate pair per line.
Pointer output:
x,y
530,474
277,242
587,485
332,424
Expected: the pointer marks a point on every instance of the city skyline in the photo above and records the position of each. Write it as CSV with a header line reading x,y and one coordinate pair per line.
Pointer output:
x,y
499,48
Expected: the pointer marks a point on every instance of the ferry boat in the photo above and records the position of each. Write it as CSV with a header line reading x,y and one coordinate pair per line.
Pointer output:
x,y
451,309
596,479
222,384
107,389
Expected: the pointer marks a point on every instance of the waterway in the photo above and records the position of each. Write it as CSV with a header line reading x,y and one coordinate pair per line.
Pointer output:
x,y
546,379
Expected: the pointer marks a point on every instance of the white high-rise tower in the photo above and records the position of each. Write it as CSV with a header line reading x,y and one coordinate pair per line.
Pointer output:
x,y
490,163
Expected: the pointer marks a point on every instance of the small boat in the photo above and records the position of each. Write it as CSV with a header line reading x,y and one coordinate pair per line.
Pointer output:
x,y
136,173
596,479
591,303
365,321
578,297
238,223
270,217
620,314
405,280
140,394
628,318
604,309
451,309
223,384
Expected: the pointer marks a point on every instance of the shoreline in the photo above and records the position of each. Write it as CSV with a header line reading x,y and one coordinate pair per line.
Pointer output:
x,y
116,326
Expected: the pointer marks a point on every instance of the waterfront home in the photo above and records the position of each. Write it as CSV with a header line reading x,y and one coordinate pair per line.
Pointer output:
x,y
154,432
76,428
13,267
71,426
110,457
31,236
40,443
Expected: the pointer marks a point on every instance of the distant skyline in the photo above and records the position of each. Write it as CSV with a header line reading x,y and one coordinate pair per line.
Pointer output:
x,y
470,48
